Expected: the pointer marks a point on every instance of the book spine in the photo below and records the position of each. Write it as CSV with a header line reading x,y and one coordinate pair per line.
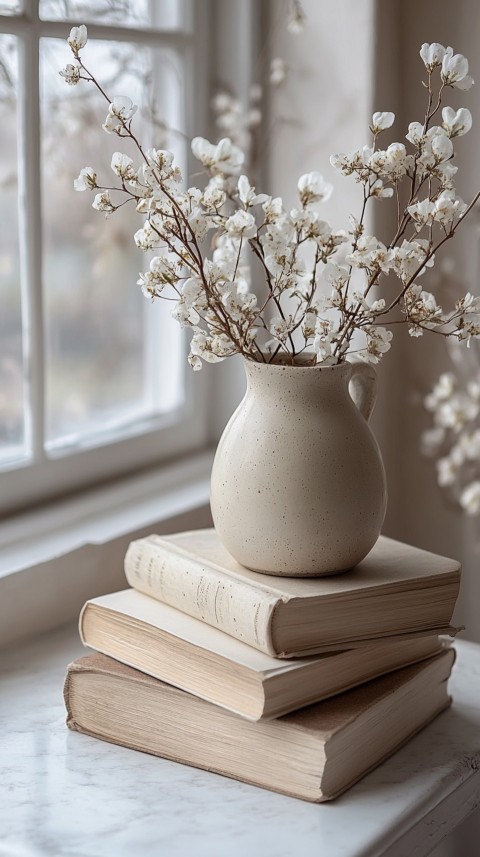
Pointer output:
x,y
233,606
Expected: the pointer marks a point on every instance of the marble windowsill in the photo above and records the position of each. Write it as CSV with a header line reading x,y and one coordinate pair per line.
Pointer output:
x,y
70,795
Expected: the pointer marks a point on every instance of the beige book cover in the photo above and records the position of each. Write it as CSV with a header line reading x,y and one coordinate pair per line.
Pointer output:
x,y
173,646
396,589
314,754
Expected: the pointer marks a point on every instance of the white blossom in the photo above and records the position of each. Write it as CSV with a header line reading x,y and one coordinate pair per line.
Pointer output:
x,y
247,195
456,122
415,133
286,269
237,120
87,179
222,346
470,498
122,166
186,314
241,224
326,338
278,71
296,18
378,190
201,346
279,237
355,163
443,390
423,213
199,222
370,253
146,238
467,329
469,443
119,114
454,412
408,258
71,73
148,285
432,55
421,310
442,147
102,202
280,327
435,149
469,304
309,323
273,209
382,121
447,471
378,343
448,206
392,162
370,309
455,70
163,271
214,198
312,187
445,174
220,157
195,362
238,301
77,38
162,169
225,258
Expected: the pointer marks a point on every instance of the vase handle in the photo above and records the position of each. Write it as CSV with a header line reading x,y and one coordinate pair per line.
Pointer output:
x,y
363,388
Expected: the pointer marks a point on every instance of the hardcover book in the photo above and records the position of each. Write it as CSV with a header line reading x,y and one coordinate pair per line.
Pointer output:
x,y
396,589
314,754
183,651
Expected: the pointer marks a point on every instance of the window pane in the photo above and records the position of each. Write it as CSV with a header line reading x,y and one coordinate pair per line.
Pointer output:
x,y
10,7
104,340
162,14
11,363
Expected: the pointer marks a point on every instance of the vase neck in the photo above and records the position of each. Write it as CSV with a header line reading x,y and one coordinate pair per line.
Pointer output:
x,y
270,380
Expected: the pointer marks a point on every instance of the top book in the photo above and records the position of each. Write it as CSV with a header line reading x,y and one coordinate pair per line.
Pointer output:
x,y
397,590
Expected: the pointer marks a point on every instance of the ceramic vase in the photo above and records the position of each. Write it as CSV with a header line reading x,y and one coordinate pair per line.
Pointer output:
x,y
298,485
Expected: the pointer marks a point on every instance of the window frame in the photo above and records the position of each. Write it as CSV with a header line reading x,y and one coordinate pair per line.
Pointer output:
x,y
45,474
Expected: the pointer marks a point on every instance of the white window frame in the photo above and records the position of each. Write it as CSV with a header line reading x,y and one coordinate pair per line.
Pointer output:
x,y
55,556
146,441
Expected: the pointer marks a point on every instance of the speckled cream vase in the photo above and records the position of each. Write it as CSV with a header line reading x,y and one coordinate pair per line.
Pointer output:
x,y
298,485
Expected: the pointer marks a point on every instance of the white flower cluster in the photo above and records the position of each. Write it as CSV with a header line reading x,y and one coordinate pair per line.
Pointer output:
x,y
455,439
296,17
453,67
201,240
238,123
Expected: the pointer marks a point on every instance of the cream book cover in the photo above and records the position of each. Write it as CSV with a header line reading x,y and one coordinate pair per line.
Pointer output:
x,y
313,754
169,645
396,589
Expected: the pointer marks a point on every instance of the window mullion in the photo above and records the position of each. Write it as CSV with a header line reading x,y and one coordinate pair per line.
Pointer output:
x,y
31,241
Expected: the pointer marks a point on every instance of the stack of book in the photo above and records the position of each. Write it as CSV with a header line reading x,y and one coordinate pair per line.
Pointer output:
x,y
296,685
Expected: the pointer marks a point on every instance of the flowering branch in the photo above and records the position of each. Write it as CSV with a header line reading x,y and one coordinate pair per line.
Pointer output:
x,y
299,252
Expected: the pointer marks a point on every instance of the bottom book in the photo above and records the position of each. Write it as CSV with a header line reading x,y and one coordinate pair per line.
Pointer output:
x,y
314,754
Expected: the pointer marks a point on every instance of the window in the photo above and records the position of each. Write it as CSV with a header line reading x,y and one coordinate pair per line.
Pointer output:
x,y
93,379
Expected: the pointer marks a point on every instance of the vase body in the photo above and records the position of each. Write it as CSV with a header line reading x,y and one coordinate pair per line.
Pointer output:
x,y
298,484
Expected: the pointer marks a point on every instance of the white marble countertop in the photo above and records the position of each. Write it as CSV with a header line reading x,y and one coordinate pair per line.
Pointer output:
x,y
63,793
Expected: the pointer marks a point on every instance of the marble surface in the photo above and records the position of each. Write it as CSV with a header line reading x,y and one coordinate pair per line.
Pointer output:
x,y
63,793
